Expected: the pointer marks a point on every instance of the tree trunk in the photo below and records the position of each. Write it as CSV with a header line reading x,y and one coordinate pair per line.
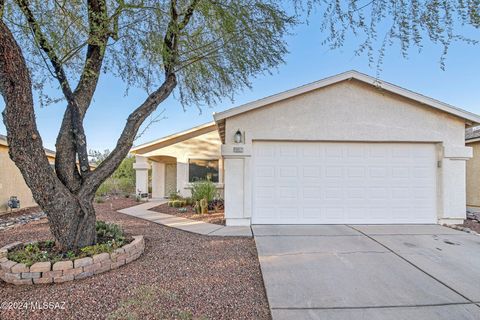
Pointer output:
x,y
66,199
71,215
72,225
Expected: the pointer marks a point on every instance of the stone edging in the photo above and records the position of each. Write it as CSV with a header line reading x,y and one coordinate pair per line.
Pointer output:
x,y
62,271
460,228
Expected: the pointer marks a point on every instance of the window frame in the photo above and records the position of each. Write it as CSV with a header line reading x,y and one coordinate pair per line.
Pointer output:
x,y
200,159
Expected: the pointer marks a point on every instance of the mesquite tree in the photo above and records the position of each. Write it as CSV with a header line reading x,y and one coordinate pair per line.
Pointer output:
x,y
202,49
408,24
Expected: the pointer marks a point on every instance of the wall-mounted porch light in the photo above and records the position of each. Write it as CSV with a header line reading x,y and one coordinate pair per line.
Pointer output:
x,y
238,137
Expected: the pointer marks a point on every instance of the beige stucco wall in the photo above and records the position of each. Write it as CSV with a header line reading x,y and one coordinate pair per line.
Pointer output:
x,y
12,183
349,111
473,176
204,146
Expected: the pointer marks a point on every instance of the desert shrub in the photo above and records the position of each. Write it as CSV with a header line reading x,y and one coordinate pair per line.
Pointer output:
x,y
174,195
126,186
122,181
106,188
109,232
203,190
189,201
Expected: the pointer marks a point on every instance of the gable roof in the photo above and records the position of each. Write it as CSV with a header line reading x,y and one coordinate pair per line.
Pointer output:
x,y
470,117
472,134
3,142
175,138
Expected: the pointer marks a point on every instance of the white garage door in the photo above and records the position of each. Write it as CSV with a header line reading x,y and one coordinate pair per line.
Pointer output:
x,y
336,183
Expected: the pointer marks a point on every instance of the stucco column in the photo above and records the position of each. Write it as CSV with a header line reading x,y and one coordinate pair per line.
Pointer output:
x,y
182,176
158,179
237,182
454,184
141,167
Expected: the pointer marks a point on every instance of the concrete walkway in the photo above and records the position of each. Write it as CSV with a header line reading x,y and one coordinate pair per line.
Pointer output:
x,y
370,272
142,211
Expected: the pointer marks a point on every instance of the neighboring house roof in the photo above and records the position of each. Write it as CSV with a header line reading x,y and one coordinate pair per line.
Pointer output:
x,y
220,117
175,138
3,142
48,152
472,134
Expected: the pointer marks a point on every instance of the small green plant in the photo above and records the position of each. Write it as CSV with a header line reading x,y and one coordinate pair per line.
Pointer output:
x,y
49,243
97,248
70,255
189,201
110,237
110,231
203,190
182,209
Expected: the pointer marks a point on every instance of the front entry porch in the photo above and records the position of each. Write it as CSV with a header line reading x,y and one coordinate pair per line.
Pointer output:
x,y
158,175
161,175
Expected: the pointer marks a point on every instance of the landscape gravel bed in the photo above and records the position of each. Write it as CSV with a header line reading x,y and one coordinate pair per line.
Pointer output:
x,y
472,225
189,213
179,276
24,216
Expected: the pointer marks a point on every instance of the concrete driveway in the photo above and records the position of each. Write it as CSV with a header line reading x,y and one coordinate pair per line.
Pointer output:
x,y
370,272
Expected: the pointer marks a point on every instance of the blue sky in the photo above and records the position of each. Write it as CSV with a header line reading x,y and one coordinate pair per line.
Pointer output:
x,y
307,61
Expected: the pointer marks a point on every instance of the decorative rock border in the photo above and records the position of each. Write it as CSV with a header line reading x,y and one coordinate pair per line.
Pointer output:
x,y
460,228
62,271
20,220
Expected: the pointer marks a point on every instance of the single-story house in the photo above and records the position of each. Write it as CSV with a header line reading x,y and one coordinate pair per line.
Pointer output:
x,y
348,149
11,179
472,139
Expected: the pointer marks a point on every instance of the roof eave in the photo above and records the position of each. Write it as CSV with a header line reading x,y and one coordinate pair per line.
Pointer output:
x,y
200,129
470,118
472,140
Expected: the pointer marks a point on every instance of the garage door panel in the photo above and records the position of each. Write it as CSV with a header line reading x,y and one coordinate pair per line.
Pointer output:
x,y
311,213
300,182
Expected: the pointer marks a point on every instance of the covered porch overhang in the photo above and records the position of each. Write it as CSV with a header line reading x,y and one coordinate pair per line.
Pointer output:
x,y
164,164
158,172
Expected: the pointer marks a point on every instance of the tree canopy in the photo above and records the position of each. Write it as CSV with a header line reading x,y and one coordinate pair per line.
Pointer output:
x,y
378,24
202,50
220,44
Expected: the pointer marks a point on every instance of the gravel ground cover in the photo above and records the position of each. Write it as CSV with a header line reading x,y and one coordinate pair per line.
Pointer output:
x,y
19,212
180,276
211,217
472,225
